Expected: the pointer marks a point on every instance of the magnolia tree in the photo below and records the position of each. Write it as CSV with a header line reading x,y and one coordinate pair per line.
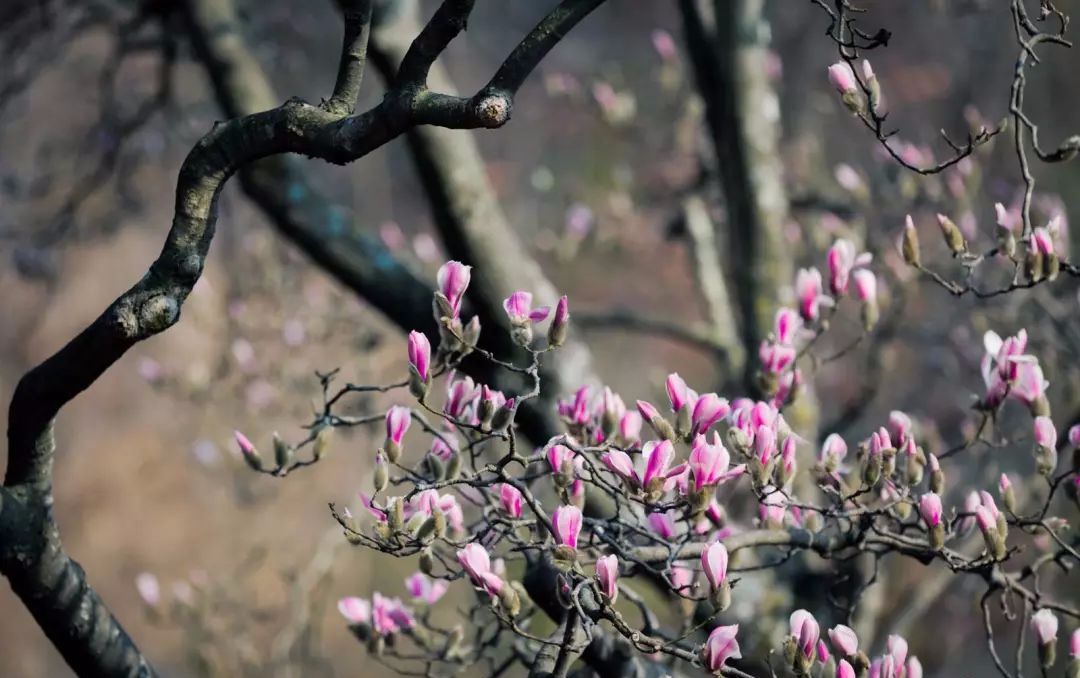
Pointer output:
x,y
633,541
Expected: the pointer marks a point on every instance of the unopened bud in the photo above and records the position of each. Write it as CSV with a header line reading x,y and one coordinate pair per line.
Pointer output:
x,y
471,333
435,467
872,469
503,416
1006,240
381,475
453,466
1034,265
283,452
322,443
682,421
909,244
951,232
509,600
427,562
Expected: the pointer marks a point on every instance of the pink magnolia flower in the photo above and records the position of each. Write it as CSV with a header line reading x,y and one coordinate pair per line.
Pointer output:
x,y
808,291
720,647
397,423
1045,626
930,509
559,457
453,279
773,507
822,652
987,502
842,77
833,451
786,326
1045,433
518,307
914,668
247,448
1074,644
899,427
576,409
619,463
647,410
490,395
844,670
355,610
682,578
1043,241
764,444
708,409
1006,219
657,456
607,573
148,588
389,615
805,630
461,393
662,524
630,427
709,463
897,648
562,311
775,357
664,45
842,259
985,518
476,562
420,354
566,523
865,285
511,499
1074,436
714,562
844,640
677,391
1030,383
425,590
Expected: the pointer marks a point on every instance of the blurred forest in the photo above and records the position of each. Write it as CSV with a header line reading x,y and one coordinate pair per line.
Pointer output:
x,y
604,147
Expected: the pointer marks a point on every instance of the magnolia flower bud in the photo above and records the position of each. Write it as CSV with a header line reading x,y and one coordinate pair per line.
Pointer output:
x,y
283,452
953,237
453,466
321,445
381,474
427,562
559,323
248,451
1045,626
510,601
909,243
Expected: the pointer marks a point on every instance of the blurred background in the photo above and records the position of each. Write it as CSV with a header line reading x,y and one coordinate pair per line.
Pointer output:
x,y
97,112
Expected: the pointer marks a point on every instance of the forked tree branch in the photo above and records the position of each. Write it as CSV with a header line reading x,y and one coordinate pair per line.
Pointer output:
x,y
49,582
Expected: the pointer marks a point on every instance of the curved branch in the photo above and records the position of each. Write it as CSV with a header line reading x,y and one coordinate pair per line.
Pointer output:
x,y
32,557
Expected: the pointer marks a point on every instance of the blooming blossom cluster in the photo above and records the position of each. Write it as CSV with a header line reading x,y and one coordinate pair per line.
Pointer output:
x,y
688,489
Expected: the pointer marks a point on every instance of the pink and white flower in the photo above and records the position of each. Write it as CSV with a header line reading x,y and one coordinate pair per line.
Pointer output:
x,y
453,279
566,523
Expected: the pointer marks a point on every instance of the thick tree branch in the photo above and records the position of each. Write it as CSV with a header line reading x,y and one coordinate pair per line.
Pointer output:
x,y
357,17
49,582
